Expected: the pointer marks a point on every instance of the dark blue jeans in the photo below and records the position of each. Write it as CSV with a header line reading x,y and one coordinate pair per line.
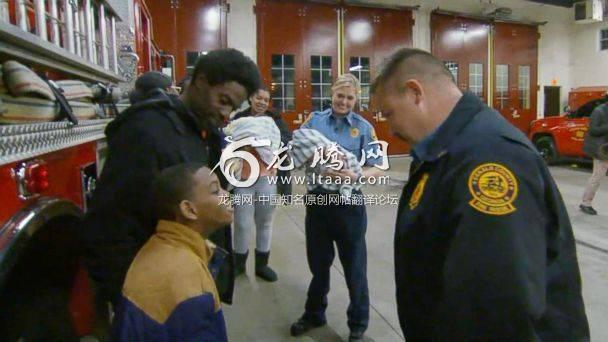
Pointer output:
x,y
345,225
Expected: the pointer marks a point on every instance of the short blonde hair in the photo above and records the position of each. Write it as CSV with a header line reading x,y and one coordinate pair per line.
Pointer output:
x,y
347,80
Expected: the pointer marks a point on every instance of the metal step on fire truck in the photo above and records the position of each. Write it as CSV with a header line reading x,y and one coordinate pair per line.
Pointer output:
x,y
48,169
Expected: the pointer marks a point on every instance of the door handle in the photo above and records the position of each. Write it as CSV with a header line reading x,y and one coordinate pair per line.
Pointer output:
x,y
515,113
381,117
378,117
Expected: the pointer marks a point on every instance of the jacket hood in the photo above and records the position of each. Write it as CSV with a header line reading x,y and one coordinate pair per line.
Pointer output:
x,y
156,100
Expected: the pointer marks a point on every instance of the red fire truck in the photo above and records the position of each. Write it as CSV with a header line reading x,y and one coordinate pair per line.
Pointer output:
x,y
48,169
562,136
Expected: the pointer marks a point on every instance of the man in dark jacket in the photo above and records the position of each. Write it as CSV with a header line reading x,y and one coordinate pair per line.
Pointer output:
x,y
152,135
147,83
484,249
596,140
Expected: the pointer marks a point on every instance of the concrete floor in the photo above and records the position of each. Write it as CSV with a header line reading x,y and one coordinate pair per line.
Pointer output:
x,y
264,311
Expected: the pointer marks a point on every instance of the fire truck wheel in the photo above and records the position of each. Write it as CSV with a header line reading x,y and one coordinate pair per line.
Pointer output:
x,y
546,148
37,297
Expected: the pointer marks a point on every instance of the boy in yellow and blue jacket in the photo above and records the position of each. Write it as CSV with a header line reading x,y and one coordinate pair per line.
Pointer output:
x,y
169,293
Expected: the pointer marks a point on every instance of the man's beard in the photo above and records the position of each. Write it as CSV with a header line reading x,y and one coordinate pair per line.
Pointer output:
x,y
210,119
207,117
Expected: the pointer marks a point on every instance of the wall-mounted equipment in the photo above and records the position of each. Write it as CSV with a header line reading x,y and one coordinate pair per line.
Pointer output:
x,y
588,11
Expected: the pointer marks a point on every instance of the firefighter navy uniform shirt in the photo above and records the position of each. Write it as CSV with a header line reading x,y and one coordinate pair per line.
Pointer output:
x,y
484,248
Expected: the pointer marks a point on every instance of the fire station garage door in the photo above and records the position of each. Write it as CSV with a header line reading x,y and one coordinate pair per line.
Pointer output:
x,y
515,65
463,44
370,36
299,47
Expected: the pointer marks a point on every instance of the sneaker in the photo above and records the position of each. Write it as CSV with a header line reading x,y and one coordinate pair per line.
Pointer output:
x,y
303,325
587,209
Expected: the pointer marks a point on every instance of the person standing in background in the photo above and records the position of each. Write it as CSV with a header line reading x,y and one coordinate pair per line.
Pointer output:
x,y
344,225
258,214
596,138
147,84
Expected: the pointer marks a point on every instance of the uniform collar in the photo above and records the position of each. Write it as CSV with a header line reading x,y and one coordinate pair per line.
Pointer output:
x,y
420,150
179,235
438,142
348,117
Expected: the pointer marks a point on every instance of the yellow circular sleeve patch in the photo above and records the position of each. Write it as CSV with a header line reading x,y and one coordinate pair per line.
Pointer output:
x,y
307,119
494,189
418,191
354,132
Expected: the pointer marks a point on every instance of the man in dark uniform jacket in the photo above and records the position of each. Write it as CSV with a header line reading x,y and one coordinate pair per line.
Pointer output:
x,y
162,131
484,248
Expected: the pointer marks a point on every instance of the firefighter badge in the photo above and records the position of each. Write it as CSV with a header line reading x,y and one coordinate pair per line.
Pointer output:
x,y
354,132
418,192
494,189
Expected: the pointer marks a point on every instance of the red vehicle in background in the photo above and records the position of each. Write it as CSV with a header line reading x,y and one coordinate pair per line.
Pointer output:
x,y
560,137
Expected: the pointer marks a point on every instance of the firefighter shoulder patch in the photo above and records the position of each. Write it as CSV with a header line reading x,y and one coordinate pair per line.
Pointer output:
x,y
354,132
373,134
494,189
418,192
307,118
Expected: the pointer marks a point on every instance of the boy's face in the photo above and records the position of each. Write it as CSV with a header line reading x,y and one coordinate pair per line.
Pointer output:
x,y
206,207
